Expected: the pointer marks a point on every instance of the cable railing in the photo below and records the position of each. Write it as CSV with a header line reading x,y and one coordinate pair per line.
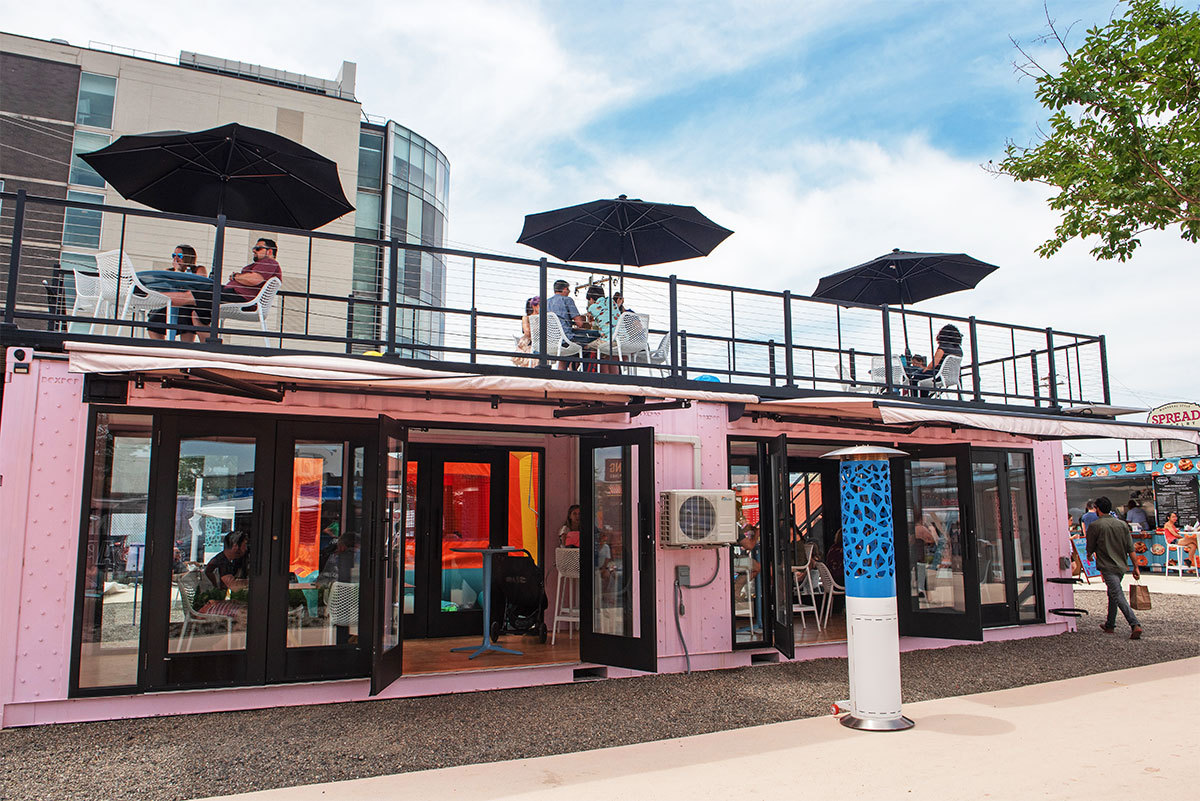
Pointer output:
x,y
371,297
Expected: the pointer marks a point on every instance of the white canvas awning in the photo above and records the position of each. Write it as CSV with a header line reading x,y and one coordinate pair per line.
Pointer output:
x,y
89,357
1029,424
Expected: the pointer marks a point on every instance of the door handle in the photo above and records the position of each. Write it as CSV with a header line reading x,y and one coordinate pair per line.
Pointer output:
x,y
285,552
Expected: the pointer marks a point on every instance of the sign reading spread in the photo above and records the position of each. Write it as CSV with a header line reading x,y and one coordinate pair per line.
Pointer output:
x,y
1180,413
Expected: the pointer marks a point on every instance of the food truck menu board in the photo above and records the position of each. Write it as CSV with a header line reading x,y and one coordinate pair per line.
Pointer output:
x,y
1179,494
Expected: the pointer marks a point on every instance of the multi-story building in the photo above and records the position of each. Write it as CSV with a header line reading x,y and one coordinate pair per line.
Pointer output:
x,y
58,100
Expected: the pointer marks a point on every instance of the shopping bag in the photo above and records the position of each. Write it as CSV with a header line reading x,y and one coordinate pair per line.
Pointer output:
x,y
1139,596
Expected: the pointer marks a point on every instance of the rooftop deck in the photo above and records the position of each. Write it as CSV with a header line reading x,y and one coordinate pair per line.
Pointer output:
x,y
772,343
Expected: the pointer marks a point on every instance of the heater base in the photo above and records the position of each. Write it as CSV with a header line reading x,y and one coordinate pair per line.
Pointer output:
x,y
873,724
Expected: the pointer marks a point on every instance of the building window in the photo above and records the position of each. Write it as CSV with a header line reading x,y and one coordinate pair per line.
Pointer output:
x,y
96,96
82,173
114,552
81,227
370,160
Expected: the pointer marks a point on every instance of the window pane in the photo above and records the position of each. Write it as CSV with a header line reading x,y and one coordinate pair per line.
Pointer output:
x,y
82,172
524,501
1019,477
370,160
614,567
747,556
935,536
989,523
115,552
81,227
466,523
96,94
366,215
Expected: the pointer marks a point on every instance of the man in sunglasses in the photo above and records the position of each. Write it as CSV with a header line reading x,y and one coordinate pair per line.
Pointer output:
x,y
242,287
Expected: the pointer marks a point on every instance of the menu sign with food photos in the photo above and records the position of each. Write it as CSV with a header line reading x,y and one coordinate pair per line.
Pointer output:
x,y
1179,494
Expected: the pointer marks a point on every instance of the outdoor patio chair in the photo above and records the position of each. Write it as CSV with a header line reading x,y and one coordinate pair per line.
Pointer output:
x,y
187,584
947,375
631,338
87,295
1175,551
830,588
566,593
115,282
879,373
801,607
255,310
557,344
141,300
342,608
661,355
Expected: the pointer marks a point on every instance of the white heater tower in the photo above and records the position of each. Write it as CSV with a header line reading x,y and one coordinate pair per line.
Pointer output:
x,y
868,544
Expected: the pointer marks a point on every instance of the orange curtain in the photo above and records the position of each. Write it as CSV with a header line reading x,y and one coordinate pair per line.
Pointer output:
x,y
307,480
523,501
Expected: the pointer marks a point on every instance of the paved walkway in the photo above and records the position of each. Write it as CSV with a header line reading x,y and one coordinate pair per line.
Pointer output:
x,y
1119,735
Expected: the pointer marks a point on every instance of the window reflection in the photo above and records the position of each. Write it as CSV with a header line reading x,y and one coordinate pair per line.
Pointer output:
x,y
747,553
935,536
612,541
115,551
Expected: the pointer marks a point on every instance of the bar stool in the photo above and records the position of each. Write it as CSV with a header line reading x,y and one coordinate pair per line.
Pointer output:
x,y
566,593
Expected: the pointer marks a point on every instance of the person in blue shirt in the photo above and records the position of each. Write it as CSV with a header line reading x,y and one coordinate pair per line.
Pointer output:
x,y
574,323
1089,515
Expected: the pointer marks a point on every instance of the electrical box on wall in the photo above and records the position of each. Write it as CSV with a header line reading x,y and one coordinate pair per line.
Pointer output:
x,y
698,518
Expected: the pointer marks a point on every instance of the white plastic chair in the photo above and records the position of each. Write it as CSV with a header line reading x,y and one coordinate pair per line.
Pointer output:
x,y
141,300
557,344
256,309
879,373
116,281
947,375
342,608
631,338
661,355
187,584
800,606
1176,549
87,295
566,593
830,588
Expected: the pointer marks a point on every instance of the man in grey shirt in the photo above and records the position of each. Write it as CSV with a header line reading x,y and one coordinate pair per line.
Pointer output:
x,y
1109,543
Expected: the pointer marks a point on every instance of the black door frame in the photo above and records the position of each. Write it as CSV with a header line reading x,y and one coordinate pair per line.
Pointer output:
x,y
641,652
966,625
387,661
778,538
1009,612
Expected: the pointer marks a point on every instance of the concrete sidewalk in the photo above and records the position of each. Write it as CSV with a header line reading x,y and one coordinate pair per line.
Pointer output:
x,y
1119,735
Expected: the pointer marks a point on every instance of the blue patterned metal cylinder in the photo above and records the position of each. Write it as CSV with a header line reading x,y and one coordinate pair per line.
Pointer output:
x,y
868,543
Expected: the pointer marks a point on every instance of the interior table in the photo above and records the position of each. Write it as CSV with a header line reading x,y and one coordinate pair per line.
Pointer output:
x,y
487,644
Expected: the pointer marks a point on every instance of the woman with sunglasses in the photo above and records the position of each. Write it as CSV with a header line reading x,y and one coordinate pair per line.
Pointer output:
x,y
183,260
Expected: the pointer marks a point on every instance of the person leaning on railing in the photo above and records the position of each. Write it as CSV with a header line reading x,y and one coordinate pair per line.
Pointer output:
x,y
242,287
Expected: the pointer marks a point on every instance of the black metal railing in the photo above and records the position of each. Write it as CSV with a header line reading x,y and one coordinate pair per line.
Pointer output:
x,y
362,295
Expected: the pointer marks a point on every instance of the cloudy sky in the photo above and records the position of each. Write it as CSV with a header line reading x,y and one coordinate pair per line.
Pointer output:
x,y
823,133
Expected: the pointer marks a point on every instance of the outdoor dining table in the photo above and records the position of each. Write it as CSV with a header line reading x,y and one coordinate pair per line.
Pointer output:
x,y
487,644
173,281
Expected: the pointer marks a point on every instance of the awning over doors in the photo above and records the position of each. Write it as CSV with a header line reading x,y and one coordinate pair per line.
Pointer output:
x,y
1027,424
339,370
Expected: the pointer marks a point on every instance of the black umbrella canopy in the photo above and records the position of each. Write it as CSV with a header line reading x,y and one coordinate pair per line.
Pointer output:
x,y
623,231
245,173
904,277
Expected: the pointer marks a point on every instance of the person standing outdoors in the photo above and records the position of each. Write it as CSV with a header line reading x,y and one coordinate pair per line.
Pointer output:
x,y
1089,514
1110,545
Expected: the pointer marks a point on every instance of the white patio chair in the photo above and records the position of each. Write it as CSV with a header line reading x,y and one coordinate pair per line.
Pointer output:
x,y
1175,550
256,309
342,607
87,295
661,355
946,377
557,344
830,588
116,281
631,338
879,373
141,300
187,584
566,592
801,607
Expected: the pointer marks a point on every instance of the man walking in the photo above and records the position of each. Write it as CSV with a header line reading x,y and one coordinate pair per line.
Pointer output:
x,y
1109,544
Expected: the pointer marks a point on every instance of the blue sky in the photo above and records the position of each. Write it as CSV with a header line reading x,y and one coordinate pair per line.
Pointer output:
x,y
823,133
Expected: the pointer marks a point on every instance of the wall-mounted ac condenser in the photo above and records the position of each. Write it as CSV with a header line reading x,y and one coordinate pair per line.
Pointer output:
x,y
698,518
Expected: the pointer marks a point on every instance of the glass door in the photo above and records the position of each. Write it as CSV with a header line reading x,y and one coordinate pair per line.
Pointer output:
x,y
390,578
936,564
207,580
779,542
617,578
1005,558
320,588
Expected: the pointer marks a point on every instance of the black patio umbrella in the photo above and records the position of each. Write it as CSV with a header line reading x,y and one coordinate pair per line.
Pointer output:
x,y
904,277
247,174
623,231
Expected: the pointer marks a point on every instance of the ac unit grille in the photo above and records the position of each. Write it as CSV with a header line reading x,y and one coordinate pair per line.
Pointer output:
x,y
697,518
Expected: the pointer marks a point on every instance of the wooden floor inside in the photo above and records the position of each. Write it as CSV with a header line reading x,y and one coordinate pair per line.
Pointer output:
x,y
434,655
834,632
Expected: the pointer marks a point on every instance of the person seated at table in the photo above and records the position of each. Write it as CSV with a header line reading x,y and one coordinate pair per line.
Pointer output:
x,y
949,343
568,535
525,343
603,313
1173,535
183,260
618,299
574,324
227,570
242,287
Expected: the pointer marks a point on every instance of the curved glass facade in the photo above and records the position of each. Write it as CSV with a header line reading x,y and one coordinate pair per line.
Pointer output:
x,y
403,189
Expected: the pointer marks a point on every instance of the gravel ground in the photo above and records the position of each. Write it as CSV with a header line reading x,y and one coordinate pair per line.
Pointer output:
x,y
201,755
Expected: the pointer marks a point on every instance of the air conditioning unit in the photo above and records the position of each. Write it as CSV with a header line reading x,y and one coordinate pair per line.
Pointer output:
x,y
704,518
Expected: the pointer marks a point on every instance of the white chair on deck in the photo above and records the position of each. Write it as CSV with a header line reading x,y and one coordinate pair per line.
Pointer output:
x,y
946,377
631,338
879,373
141,300
661,355
830,588
557,344
115,282
566,593
256,309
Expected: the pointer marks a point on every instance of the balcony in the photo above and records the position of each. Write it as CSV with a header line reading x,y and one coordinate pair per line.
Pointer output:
x,y
461,310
